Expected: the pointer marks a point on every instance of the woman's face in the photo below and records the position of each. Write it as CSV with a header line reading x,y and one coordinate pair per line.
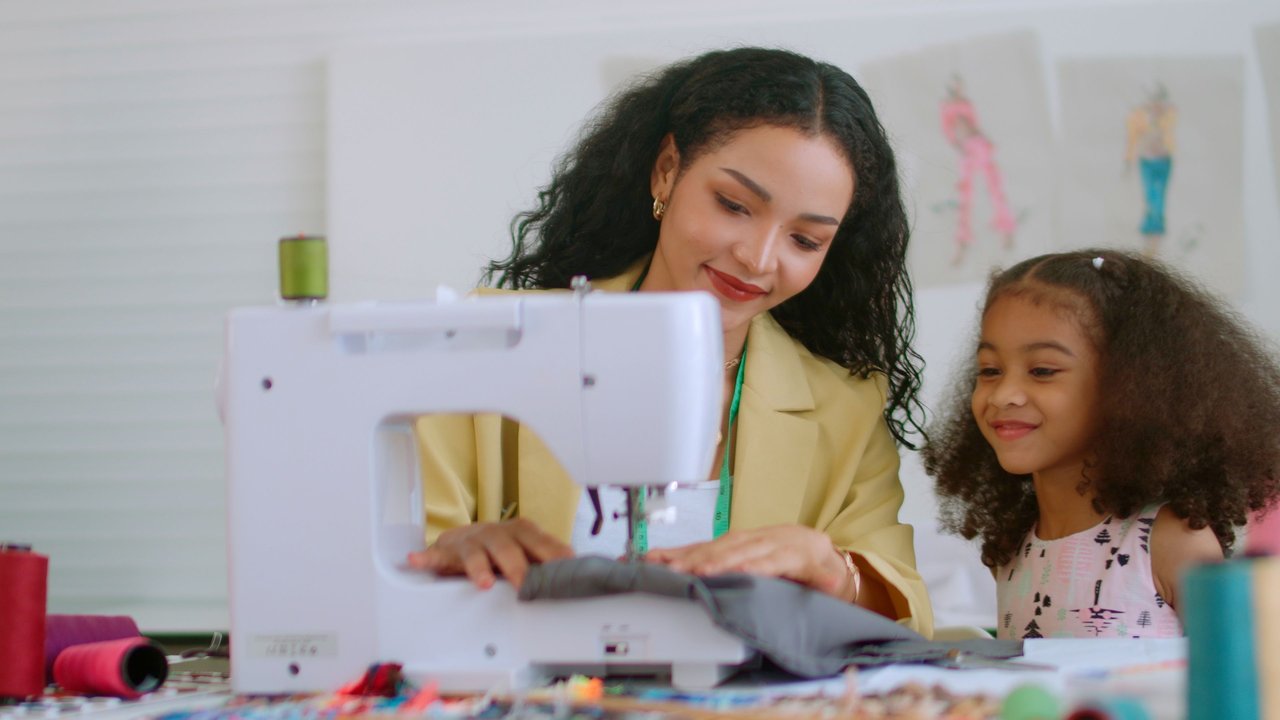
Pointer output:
x,y
749,221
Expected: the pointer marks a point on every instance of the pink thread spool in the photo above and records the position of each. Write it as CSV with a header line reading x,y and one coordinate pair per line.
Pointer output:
x,y
126,668
64,631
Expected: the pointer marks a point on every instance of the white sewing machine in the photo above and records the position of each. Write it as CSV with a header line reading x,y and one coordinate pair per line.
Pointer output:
x,y
325,500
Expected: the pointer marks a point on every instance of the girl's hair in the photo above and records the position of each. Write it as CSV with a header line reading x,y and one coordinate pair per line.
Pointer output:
x,y
1188,405
594,217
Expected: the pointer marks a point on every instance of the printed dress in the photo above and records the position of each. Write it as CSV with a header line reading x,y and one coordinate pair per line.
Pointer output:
x,y
1095,583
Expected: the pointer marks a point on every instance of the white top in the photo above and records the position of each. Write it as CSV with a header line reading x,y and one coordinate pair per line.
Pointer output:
x,y
695,507
1094,583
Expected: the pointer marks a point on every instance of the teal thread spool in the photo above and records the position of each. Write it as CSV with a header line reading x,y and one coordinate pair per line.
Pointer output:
x,y
1233,648
304,268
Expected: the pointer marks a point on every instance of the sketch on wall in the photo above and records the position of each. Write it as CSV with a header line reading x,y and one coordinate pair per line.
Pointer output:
x,y
1267,38
1152,161
977,160
1149,143
970,123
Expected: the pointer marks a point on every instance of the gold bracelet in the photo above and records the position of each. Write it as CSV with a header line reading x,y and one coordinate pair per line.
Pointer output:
x,y
853,570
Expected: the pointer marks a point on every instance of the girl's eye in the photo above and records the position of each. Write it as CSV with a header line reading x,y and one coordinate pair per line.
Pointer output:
x,y
1043,372
730,205
988,372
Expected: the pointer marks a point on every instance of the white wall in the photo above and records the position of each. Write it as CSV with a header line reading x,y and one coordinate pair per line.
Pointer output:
x,y
152,151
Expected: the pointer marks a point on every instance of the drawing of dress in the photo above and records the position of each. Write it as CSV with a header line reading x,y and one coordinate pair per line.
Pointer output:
x,y
1150,141
977,157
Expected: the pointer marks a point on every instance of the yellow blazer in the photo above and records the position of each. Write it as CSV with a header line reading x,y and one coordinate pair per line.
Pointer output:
x,y
812,448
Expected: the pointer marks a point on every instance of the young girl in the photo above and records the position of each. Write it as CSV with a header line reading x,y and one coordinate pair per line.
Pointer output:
x,y
1118,424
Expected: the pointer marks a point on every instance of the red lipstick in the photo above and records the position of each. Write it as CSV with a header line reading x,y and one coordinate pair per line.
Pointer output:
x,y
732,288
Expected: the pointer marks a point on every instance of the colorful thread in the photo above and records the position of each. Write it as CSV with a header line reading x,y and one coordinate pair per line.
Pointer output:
x,y
64,631
1233,639
24,578
127,668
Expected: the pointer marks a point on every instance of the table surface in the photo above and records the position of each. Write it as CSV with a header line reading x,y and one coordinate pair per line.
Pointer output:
x,y
1076,672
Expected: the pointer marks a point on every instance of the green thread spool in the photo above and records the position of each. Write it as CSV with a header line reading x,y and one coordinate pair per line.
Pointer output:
x,y
304,268
1030,702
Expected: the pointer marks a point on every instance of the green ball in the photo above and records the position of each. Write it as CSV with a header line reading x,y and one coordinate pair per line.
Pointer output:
x,y
1030,702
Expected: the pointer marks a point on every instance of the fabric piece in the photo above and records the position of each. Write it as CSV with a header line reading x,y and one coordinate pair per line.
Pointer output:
x,y
802,631
1094,583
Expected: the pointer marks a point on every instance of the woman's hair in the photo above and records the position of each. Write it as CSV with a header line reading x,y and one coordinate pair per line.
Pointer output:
x,y
1188,405
594,217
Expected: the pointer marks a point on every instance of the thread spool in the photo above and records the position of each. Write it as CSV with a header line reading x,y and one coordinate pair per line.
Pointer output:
x,y
1119,708
64,631
24,578
1231,613
127,668
304,268
1030,702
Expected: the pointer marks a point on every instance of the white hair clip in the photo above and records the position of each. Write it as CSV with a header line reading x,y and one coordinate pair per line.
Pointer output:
x,y
1097,263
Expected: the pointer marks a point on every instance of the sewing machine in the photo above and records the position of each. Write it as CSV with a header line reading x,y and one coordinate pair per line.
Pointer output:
x,y
325,499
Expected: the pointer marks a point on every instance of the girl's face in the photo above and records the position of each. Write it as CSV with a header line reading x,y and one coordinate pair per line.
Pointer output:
x,y
1036,387
749,221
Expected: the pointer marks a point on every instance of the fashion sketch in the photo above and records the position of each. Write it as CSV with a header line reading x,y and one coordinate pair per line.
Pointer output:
x,y
1150,141
977,158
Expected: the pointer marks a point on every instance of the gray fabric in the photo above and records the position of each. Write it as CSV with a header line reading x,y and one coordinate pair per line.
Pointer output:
x,y
805,632
971,654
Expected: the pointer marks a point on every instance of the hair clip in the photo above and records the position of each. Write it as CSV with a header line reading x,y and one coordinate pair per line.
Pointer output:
x,y
1097,262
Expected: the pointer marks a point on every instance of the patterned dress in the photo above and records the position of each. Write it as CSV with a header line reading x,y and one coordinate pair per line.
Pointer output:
x,y
1095,583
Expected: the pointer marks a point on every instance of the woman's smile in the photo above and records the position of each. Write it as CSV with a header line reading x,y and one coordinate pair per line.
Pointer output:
x,y
731,288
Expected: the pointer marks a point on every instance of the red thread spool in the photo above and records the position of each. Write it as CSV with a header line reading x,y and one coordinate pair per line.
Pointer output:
x,y
24,578
63,631
127,668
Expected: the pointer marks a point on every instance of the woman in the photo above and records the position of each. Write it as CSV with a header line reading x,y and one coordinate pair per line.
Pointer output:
x,y
764,178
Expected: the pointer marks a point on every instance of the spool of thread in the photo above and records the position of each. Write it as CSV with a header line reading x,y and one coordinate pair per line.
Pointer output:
x,y
1118,708
1030,702
63,631
24,578
127,668
304,268
1231,613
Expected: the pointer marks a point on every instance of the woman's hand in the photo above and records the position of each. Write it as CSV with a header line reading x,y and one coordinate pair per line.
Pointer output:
x,y
794,552
480,550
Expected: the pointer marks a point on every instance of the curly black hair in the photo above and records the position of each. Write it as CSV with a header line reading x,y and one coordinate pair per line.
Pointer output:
x,y
594,218
1188,406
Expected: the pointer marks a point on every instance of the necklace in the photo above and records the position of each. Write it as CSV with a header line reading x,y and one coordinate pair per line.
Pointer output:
x,y
731,364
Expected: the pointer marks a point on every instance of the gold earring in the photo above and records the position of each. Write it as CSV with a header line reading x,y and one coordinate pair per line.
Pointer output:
x,y
659,209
